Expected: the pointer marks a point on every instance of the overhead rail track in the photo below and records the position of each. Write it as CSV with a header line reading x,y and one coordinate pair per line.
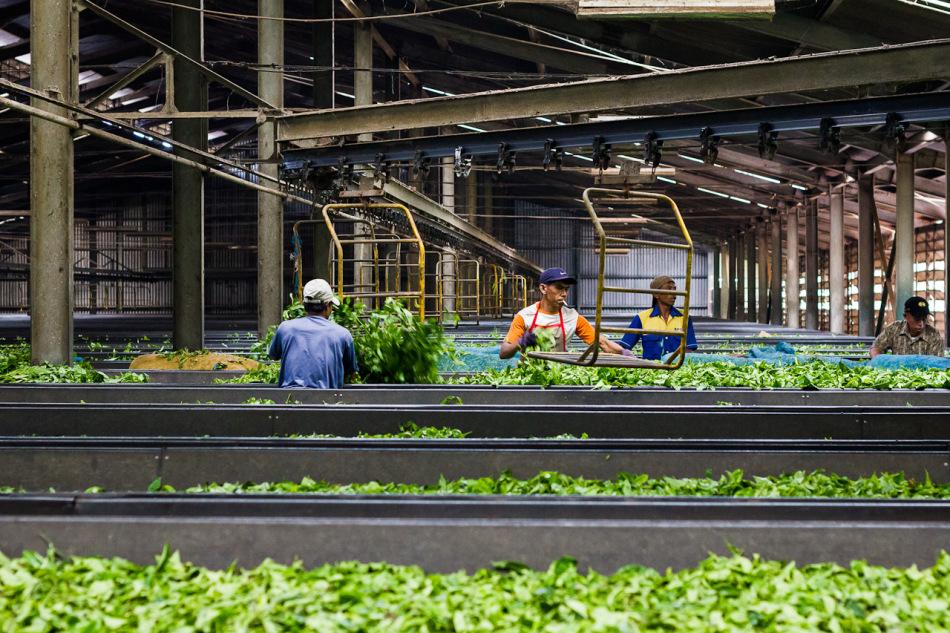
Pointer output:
x,y
503,420
448,533
553,140
132,464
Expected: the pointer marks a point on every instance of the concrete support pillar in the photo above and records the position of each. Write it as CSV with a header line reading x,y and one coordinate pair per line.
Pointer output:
x,y
270,208
449,256
837,282
363,95
762,233
324,95
750,275
487,205
363,59
471,198
811,265
866,255
740,277
904,239
725,277
191,94
775,272
732,304
54,56
792,291
716,255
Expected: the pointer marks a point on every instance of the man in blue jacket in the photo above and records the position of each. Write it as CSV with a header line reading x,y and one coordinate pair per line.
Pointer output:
x,y
314,351
661,316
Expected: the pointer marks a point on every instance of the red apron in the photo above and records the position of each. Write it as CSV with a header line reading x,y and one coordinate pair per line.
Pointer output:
x,y
560,315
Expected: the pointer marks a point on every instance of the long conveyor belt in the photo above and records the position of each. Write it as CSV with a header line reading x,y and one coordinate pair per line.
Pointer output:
x,y
449,533
466,394
598,421
131,464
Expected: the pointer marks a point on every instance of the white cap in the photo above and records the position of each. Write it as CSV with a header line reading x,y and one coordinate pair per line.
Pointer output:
x,y
319,291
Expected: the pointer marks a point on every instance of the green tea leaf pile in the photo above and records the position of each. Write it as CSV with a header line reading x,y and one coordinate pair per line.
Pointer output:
x,y
48,593
798,484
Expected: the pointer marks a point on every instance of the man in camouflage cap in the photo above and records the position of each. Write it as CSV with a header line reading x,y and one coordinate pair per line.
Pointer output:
x,y
913,335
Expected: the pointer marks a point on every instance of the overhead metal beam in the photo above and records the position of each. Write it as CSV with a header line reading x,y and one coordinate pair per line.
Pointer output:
x,y
182,58
903,63
809,32
843,114
435,212
570,60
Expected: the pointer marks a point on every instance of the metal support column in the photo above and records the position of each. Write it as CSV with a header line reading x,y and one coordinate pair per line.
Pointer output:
x,y
363,95
191,95
449,256
946,238
836,272
793,297
762,233
732,304
53,68
865,255
725,276
904,231
363,60
471,197
270,208
811,265
716,255
740,277
751,238
775,274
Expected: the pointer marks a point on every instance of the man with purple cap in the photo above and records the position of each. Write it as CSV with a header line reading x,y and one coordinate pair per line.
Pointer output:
x,y
552,313
314,351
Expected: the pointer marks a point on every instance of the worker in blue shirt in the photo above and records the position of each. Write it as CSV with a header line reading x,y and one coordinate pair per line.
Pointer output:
x,y
661,316
314,351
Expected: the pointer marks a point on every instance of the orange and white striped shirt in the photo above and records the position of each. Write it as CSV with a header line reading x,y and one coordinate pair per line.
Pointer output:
x,y
565,324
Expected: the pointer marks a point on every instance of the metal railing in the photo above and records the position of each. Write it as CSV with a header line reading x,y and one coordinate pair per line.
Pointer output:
x,y
370,279
593,356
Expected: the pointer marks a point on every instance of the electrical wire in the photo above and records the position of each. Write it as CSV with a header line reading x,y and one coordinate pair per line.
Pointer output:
x,y
369,18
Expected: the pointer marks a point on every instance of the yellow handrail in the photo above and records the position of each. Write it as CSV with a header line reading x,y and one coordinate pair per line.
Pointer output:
x,y
338,243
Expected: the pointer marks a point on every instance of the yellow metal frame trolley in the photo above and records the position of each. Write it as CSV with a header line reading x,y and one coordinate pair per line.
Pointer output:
x,y
593,356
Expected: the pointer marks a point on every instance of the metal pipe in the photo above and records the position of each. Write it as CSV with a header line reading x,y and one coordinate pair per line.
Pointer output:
x,y
836,272
866,254
732,267
54,58
792,290
270,210
716,284
904,230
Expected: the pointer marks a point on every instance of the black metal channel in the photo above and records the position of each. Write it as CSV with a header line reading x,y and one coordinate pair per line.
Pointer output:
x,y
131,464
598,421
788,118
465,394
449,533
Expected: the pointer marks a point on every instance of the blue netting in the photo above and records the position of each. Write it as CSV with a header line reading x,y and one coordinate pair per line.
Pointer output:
x,y
784,354
476,359
889,361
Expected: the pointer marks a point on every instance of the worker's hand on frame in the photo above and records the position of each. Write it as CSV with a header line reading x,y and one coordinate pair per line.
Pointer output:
x,y
528,339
